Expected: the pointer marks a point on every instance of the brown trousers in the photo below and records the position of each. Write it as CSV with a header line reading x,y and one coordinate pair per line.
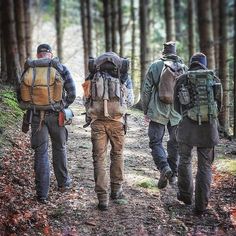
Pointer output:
x,y
103,131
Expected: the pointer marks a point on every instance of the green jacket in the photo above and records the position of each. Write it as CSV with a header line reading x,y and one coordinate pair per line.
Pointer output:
x,y
156,110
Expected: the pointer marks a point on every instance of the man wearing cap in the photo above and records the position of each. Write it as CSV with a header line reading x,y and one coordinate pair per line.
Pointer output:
x,y
160,116
190,133
45,123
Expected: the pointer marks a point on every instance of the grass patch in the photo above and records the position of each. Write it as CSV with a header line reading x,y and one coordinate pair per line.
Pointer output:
x,y
147,183
226,165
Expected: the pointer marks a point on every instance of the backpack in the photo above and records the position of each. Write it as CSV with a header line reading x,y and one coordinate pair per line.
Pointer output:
x,y
171,70
106,91
202,87
41,86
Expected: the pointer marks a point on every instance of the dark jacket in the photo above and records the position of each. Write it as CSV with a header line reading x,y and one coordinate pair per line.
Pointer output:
x,y
189,131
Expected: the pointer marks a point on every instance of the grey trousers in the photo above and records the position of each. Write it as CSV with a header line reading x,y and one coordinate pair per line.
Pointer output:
x,y
39,142
203,176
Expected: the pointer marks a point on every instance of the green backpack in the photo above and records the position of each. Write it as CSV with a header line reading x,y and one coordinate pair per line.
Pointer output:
x,y
202,89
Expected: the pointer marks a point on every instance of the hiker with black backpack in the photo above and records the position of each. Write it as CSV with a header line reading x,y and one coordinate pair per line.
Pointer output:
x,y
108,92
46,90
158,107
198,95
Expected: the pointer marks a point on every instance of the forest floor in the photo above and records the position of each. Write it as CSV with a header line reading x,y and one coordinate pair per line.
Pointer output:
x,y
147,211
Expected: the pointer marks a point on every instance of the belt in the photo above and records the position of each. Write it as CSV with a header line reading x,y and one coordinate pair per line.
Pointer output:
x,y
48,112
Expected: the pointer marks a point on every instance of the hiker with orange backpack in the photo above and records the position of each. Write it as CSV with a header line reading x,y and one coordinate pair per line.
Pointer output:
x,y
157,99
108,92
46,91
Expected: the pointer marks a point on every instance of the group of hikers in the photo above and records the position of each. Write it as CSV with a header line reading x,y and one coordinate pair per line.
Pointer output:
x,y
185,100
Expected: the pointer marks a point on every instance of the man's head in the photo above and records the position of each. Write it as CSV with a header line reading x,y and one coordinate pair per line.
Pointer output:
x,y
44,51
199,58
169,48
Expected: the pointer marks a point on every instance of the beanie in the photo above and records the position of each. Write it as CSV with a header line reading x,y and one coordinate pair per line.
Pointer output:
x,y
199,58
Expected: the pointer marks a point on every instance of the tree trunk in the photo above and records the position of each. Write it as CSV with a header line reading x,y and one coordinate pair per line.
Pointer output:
x,y
133,41
178,19
224,118
191,27
215,15
106,15
120,23
89,28
28,28
114,25
3,51
20,30
9,36
170,20
84,35
58,28
234,68
143,11
205,31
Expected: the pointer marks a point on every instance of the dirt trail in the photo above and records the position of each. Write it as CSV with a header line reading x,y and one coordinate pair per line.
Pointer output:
x,y
147,210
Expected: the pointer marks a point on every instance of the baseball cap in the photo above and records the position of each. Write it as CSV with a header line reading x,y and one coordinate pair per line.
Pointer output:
x,y
44,48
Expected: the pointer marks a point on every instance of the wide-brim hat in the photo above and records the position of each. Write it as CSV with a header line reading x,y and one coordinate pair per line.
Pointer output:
x,y
169,48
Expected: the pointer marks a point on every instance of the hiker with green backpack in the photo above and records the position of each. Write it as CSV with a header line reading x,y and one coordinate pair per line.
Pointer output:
x,y
46,90
158,107
108,92
198,95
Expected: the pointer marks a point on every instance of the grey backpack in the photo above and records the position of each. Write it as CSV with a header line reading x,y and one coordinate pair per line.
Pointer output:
x,y
107,92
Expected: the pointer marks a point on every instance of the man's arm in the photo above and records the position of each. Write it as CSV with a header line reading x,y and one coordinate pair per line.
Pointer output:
x,y
130,94
147,90
69,87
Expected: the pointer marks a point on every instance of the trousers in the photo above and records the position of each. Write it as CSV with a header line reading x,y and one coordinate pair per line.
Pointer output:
x,y
102,132
203,177
156,133
39,143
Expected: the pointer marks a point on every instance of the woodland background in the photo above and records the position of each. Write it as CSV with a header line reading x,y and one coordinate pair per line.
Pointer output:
x,y
134,29
137,29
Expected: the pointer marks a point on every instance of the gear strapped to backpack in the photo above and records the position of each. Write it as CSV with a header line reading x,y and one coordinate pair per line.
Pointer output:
x,y
105,90
171,70
198,96
41,85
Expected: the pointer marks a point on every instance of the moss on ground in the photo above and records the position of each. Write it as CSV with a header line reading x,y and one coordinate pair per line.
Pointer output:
x,y
226,164
147,183
10,113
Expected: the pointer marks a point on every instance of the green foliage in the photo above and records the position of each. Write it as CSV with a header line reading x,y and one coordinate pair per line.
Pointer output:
x,y
9,109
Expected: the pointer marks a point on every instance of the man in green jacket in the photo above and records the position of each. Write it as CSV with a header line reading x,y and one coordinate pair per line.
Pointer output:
x,y
160,115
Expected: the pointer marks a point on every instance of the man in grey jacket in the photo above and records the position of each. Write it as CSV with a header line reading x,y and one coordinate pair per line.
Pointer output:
x,y
161,115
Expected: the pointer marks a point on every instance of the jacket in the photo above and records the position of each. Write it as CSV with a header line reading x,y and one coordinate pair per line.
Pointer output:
x,y
155,109
189,131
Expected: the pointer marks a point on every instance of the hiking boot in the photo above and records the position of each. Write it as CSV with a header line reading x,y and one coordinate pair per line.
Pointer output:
x,y
185,200
118,195
102,206
173,180
65,188
166,173
42,200
198,212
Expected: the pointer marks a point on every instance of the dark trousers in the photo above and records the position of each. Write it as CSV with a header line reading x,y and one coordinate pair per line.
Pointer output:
x,y
39,142
156,132
203,177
